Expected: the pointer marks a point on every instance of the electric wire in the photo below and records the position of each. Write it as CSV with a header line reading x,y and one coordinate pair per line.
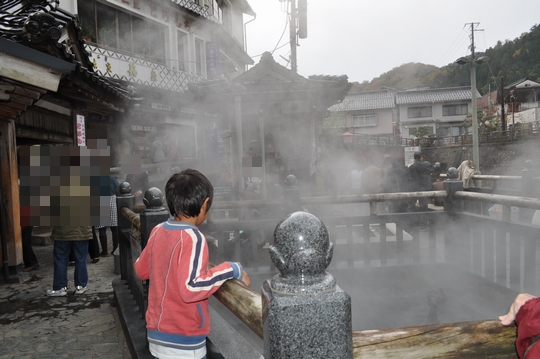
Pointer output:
x,y
283,33
451,49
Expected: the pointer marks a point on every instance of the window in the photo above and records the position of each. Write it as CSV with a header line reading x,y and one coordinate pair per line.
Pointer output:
x,y
200,63
182,45
416,112
453,110
106,25
364,120
226,16
119,30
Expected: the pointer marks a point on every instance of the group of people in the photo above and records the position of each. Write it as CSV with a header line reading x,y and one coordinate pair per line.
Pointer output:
x,y
391,176
176,263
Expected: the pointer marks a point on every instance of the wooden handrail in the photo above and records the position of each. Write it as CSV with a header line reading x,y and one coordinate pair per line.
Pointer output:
x,y
524,202
362,198
483,339
131,216
243,302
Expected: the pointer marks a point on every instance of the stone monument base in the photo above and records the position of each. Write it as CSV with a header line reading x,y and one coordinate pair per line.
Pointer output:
x,y
314,325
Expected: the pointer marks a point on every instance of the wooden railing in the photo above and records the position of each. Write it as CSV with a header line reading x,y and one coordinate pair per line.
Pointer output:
x,y
440,141
456,340
484,339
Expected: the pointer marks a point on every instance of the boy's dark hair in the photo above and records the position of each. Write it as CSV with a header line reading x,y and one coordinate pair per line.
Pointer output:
x,y
186,192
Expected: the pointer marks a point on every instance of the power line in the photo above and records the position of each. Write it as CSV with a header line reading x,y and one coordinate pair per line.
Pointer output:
x,y
283,33
451,49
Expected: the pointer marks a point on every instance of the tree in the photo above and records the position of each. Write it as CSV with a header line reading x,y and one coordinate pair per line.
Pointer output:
x,y
423,132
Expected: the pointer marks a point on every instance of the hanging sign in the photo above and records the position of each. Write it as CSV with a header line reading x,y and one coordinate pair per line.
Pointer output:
x,y
409,154
81,132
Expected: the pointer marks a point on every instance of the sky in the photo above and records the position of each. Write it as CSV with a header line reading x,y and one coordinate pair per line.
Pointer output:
x,y
364,39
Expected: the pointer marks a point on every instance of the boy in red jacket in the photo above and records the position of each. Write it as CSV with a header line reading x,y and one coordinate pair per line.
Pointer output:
x,y
175,260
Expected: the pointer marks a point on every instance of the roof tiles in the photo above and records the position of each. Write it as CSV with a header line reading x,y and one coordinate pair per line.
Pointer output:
x,y
365,101
434,95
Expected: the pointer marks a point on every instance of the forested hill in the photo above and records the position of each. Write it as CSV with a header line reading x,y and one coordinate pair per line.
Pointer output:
x,y
512,60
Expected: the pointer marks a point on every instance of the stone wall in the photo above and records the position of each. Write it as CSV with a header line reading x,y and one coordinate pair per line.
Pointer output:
x,y
495,159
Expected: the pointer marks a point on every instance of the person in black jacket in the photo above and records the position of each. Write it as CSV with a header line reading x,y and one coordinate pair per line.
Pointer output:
x,y
420,177
395,180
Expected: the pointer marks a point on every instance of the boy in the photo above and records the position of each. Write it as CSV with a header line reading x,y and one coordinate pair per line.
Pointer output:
x,y
175,260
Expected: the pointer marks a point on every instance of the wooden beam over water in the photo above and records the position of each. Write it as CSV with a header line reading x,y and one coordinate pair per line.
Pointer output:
x,y
484,339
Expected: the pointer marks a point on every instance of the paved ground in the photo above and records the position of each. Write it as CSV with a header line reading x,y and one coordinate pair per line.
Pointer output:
x,y
34,326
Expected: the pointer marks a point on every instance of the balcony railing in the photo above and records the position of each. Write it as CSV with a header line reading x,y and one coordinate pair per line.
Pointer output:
x,y
137,69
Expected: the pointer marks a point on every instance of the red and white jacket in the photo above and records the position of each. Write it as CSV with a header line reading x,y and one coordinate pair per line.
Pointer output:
x,y
175,260
528,329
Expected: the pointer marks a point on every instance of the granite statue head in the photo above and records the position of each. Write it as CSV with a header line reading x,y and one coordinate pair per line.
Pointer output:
x,y
153,198
125,188
301,246
452,173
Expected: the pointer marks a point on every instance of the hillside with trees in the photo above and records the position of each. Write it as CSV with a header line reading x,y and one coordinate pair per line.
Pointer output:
x,y
513,60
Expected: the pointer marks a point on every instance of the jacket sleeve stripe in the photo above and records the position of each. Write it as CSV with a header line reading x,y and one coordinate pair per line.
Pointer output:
x,y
195,282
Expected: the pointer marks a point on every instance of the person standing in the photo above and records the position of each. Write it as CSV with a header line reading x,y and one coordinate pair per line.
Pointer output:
x,y
66,239
157,153
466,171
354,179
395,180
29,257
113,192
323,182
371,182
139,184
175,260
420,177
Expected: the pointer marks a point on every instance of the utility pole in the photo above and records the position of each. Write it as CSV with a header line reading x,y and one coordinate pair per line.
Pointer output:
x,y
503,115
292,27
476,155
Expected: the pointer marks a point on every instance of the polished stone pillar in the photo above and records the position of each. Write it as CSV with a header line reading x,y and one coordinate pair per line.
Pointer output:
x,y
305,313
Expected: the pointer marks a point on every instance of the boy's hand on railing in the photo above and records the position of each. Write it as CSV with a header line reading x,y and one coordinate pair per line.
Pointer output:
x,y
514,308
245,278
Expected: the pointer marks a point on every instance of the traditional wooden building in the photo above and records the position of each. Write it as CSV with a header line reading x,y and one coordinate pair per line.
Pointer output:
x,y
46,82
159,47
271,112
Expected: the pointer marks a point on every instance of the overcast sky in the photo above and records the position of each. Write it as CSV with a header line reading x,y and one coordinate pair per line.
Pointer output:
x,y
364,39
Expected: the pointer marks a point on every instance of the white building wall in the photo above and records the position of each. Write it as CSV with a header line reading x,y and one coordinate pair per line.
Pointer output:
x,y
174,20
384,122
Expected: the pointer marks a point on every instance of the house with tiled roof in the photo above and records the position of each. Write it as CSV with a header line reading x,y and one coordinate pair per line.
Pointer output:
x,y
396,112
521,102
369,113
441,111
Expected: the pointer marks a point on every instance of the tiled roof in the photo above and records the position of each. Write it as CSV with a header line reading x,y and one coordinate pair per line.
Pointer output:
x,y
522,83
365,101
37,22
434,95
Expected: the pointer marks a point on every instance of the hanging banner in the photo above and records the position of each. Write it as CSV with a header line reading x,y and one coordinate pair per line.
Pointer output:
x,y
213,66
81,131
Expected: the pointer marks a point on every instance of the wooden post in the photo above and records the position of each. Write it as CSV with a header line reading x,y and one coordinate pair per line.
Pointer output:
x,y
10,193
